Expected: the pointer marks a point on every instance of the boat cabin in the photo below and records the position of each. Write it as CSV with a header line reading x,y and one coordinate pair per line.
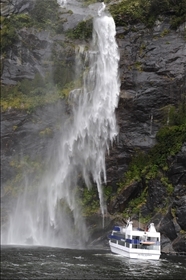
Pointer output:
x,y
136,238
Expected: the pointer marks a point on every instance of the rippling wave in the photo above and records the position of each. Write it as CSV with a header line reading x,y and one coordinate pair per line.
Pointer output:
x,y
26,262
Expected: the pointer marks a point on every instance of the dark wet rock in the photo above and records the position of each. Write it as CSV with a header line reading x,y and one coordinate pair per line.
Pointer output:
x,y
179,190
176,226
180,205
72,21
123,198
156,193
99,229
166,246
22,133
15,6
177,172
167,228
24,61
179,244
153,75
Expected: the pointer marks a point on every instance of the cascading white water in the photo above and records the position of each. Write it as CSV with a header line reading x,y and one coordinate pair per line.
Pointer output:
x,y
61,2
53,217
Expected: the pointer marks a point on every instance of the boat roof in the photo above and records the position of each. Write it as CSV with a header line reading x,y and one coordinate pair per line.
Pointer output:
x,y
129,229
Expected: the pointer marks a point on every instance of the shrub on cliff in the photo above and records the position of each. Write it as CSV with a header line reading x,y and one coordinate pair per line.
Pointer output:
x,y
44,15
147,11
10,26
170,139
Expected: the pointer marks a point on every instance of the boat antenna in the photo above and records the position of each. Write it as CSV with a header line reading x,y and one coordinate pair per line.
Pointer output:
x,y
139,220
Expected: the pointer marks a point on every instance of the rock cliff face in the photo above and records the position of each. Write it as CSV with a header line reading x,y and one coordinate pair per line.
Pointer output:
x,y
153,76
15,6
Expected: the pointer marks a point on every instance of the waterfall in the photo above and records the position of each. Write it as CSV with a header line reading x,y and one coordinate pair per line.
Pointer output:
x,y
168,116
53,217
151,124
61,3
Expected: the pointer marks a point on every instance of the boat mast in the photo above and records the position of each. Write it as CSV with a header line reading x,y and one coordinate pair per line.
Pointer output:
x,y
139,220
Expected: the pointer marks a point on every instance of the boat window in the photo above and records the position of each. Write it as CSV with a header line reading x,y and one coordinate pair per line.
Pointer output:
x,y
113,240
135,237
120,242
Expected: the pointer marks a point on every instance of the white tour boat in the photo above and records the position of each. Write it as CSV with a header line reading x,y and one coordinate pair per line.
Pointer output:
x,y
135,243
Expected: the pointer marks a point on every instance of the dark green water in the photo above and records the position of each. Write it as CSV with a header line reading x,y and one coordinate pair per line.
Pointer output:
x,y
56,263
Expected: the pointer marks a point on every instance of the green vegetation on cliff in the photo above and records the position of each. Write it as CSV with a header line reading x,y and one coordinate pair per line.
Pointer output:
x,y
24,168
89,201
155,164
147,11
82,31
29,94
44,16
170,139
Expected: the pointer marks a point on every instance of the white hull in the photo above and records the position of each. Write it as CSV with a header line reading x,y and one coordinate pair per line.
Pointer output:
x,y
133,253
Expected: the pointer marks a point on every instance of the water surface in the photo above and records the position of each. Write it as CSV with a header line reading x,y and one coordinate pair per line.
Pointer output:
x,y
23,262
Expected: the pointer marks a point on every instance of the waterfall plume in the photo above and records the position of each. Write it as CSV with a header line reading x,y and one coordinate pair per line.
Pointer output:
x,y
54,216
